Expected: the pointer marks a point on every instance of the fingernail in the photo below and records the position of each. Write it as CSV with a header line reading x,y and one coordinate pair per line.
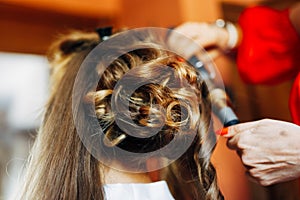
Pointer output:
x,y
222,132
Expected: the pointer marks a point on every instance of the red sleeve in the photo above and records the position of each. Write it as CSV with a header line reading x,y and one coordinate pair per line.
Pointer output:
x,y
270,49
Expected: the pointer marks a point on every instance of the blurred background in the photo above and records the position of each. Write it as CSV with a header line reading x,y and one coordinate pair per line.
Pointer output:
x,y
28,27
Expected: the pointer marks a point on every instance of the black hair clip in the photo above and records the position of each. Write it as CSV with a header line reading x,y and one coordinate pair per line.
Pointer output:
x,y
104,32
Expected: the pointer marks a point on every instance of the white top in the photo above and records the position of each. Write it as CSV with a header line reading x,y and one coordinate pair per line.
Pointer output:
x,y
138,191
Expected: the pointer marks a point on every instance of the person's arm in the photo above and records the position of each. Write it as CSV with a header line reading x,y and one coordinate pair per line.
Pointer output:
x,y
270,149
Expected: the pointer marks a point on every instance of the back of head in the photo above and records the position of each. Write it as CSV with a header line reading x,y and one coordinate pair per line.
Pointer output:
x,y
142,100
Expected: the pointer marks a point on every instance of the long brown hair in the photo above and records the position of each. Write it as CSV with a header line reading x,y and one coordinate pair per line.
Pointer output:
x,y
61,167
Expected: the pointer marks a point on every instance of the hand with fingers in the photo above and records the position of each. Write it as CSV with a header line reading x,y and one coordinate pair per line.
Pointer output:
x,y
206,35
211,37
270,149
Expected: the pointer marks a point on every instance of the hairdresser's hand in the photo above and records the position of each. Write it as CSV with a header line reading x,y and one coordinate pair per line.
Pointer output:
x,y
270,149
203,34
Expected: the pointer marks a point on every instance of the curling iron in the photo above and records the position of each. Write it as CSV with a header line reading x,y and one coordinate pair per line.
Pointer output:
x,y
220,107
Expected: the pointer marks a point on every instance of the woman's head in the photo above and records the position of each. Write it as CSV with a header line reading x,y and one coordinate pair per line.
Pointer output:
x,y
130,98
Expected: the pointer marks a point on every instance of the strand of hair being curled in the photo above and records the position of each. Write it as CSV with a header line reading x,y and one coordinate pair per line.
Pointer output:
x,y
61,167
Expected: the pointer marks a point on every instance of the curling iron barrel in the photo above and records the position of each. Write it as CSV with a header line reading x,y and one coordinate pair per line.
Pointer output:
x,y
218,96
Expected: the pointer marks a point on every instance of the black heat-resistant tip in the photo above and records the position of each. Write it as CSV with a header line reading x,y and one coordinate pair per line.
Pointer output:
x,y
104,32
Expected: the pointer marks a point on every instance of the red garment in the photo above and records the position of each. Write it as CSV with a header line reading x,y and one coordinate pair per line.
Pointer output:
x,y
270,51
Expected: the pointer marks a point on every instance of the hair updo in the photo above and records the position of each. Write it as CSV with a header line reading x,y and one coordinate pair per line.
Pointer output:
x,y
172,101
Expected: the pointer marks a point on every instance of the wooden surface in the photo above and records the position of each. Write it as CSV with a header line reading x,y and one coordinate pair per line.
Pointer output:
x,y
83,8
31,30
